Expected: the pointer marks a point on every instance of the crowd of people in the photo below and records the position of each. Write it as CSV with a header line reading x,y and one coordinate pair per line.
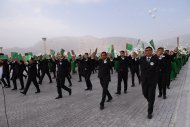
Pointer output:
x,y
152,68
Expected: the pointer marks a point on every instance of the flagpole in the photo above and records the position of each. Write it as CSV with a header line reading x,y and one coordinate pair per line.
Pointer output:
x,y
138,41
177,42
44,39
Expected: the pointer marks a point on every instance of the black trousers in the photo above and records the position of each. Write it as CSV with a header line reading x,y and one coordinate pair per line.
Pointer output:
x,y
162,82
149,89
42,76
122,76
7,77
69,79
133,76
80,74
87,79
61,84
105,92
168,79
29,83
20,77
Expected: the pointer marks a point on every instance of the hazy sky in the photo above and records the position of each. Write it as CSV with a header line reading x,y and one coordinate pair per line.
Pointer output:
x,y
24,22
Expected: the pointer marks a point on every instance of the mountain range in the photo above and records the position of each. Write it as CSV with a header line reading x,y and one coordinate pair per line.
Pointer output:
x,y
87,43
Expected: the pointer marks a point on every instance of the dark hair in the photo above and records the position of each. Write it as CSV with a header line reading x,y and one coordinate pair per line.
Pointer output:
x,y
86,54
122,51
148,48
161,48
104,53
32,58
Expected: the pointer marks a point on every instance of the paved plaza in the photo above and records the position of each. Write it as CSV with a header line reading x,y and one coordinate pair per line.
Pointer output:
x,y
81,109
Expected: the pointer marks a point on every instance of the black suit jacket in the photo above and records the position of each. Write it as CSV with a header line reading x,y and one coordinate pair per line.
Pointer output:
x,y
123,64
62,68
134,64
104,69
32,70
149,70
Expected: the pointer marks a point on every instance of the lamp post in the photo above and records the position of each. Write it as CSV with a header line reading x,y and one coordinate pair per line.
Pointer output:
x,y
44,39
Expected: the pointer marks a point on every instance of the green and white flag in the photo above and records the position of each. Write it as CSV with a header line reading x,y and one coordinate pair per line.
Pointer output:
x,y
52,52
151,43
129,47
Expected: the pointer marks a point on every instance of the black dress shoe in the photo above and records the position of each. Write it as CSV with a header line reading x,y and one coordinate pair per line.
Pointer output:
x,y
118,93
159,95
37,91
132,85
80,81
8,86
149,116
70,92
87,89
50,82
109,100
101,107
164,97
14,89
23,93
58,97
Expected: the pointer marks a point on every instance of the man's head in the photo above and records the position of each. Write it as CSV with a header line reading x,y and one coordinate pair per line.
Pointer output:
x,y
167,52
160,51
86,55
134,54
148,51
79,56
122,53
103,55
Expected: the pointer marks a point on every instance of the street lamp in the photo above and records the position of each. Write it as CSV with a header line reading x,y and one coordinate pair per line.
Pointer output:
x,y
44,39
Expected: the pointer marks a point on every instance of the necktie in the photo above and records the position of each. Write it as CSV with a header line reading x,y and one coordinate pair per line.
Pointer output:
x,y
148,59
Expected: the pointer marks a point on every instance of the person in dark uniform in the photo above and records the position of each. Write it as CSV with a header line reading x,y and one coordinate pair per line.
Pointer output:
x,y
32,75
6,74
17,74
21,73
39,67
62,71
52,65
45,70
104,76
1,69
162,75
79,64
134,66
149,77
87,70
122,71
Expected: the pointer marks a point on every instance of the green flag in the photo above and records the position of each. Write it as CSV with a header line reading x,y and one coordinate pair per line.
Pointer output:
x,y
95,52
129,47
14,55
112,52
152,44
69,56
62,51
52,52
28,56
4,57
19,56
109,49
142,45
